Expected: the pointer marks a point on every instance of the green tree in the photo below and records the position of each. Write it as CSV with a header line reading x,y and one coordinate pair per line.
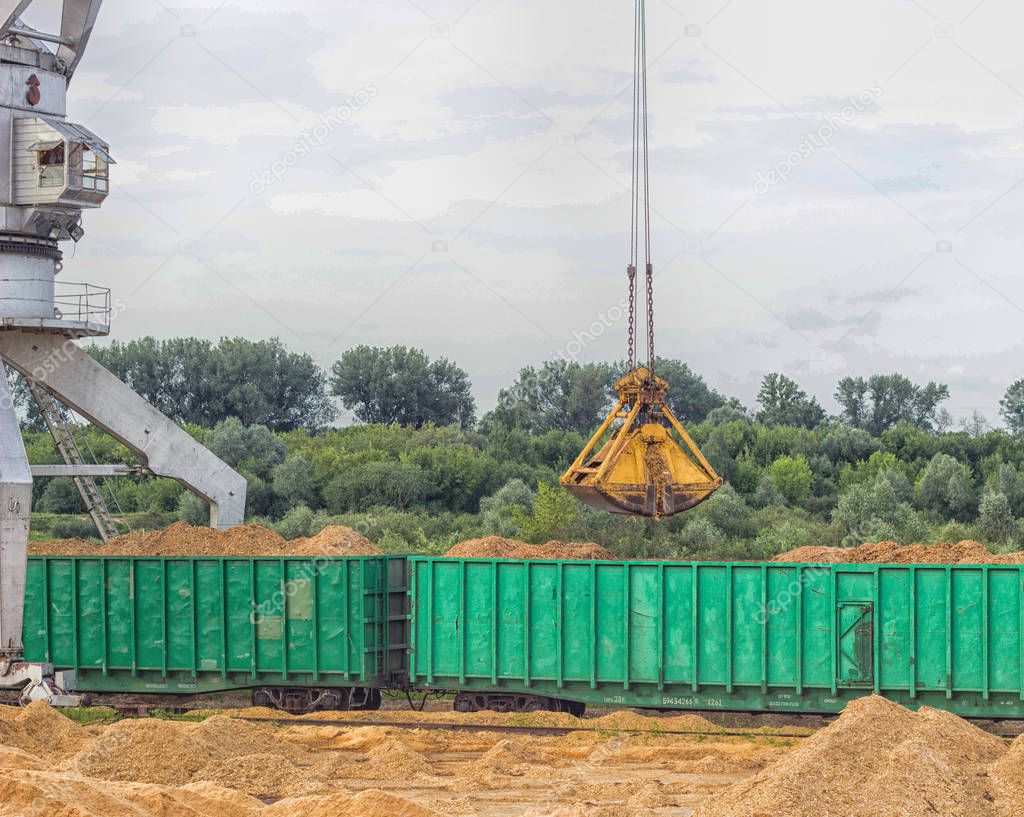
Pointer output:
x,y
689,396
885,400
293,480
393,484
500,512
402,386
871,512
252,449
560,396
60,496
193,381
946,486
1011,407
554,514
793,477
1007,480
995,518
784,403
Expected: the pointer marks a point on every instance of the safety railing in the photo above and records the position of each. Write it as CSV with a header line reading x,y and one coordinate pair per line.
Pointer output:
x,y
82,302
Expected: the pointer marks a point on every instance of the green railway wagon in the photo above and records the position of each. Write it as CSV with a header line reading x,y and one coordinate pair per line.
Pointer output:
x,y
305,633
742,636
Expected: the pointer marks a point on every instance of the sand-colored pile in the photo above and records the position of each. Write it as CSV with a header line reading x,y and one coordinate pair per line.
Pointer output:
x,y
369,803
506,758
334,540
40,730
262,775
495,547
57,794
876,760
169,753
966,552
391,759
182,539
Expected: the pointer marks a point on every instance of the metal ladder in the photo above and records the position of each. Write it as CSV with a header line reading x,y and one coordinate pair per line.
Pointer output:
x,y
56,422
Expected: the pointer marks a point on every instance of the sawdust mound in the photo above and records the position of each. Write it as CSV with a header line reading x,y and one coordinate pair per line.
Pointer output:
x,y
58,794
629,720
171,753
506,758
488,547
1007,775
391,759
147,751
965,552
584,551
182,539
12,758
261,775
216,801
40,730
369,803
334,540
877,759
495,547
225,737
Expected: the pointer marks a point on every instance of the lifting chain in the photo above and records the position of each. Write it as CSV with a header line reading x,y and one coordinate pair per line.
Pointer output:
x,y
631,272
640,196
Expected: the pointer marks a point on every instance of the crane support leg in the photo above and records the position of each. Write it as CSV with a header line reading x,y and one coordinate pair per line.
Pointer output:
x,y
15,504
67,372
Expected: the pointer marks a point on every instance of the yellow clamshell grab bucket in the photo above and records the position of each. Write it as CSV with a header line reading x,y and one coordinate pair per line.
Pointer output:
x,y
641,470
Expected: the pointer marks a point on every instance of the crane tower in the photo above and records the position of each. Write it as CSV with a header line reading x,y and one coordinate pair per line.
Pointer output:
x,y
51,169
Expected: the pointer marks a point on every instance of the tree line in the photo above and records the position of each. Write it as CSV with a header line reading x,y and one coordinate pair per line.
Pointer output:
x,y
195,381
422,470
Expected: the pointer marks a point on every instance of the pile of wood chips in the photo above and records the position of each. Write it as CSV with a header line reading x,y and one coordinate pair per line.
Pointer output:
x,y
182,539
496,547
879,759
965,552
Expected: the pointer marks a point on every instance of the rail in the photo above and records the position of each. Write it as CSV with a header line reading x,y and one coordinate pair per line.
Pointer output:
x,y
87,303
72,302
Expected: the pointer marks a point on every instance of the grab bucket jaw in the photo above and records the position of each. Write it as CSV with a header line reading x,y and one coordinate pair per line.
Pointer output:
x,y
641,470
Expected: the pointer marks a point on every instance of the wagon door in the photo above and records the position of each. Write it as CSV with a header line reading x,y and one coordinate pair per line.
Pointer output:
x,y
855,632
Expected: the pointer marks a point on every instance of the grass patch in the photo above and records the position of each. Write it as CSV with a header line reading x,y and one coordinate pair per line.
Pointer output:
x,y
84,715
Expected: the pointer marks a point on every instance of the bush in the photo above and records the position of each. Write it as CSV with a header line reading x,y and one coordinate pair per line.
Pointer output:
x,y
873,512
394,484
554,515
793,477
293,481
787,536
995,518
946,487
500,512
193,509
60,496
701,535
73,527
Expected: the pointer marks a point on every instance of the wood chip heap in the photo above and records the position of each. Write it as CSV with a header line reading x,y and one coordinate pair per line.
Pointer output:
x,y
877,760
964,553
182,539
495,547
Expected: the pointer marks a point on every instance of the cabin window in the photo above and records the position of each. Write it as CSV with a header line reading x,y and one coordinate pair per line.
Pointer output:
x,y
95,171
50,159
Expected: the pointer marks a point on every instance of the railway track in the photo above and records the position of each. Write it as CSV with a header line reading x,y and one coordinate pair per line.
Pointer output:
x,y
521,729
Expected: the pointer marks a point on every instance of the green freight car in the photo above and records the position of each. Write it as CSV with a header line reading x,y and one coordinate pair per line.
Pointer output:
x,y
522,635
740,636
304,633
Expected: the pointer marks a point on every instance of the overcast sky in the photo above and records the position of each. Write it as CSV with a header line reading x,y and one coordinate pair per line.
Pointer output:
x,y
468,192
